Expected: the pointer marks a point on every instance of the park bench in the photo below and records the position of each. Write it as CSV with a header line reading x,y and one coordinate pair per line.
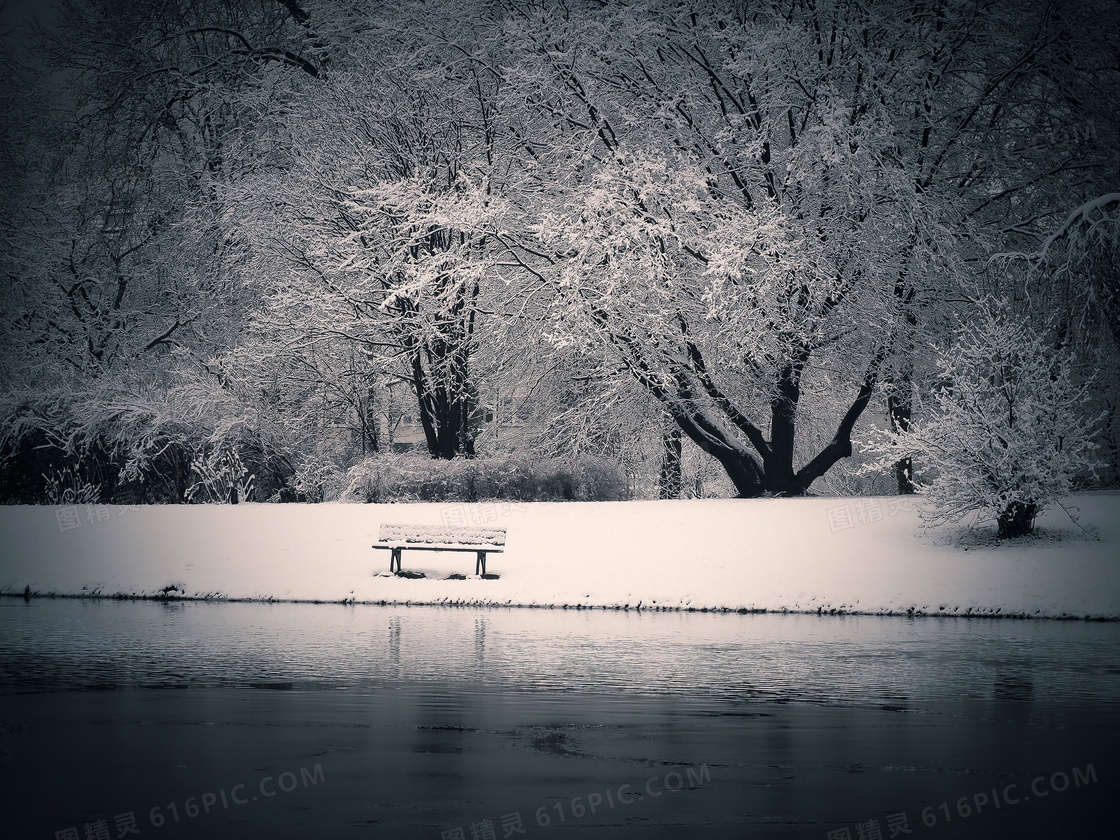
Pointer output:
x,y
482,541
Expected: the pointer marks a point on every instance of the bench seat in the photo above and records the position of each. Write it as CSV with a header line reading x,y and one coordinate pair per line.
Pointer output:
x,y
482,541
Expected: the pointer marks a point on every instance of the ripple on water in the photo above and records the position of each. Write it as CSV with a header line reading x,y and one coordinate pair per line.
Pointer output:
x,y
887,662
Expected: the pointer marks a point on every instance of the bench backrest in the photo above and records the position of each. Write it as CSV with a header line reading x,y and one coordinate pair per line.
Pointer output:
x,y
438,535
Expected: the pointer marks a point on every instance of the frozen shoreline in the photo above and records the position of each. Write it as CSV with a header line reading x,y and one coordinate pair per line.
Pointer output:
x,y
487,604
864,556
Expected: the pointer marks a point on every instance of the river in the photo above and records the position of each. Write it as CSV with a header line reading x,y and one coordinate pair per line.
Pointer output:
x,y
245,720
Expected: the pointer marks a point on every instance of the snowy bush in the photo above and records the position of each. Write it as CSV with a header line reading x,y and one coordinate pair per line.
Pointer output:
x,y
597,479
66,487
1006,432
219,477
317,480
396,478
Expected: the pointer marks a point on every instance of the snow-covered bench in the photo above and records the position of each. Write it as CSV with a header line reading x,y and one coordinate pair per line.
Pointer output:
x,y
482,541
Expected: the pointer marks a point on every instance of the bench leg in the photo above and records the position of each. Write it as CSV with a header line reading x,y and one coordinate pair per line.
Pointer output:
x,y
395,559
481,561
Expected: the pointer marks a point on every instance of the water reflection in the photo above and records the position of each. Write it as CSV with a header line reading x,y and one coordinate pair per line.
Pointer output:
x,y
428,720
395,644
884,662
480,641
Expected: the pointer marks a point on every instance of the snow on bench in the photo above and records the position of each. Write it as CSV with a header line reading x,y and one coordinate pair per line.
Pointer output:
x,y
482,541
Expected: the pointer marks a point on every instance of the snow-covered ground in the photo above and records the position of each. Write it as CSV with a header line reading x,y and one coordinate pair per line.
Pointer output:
x,y
827,554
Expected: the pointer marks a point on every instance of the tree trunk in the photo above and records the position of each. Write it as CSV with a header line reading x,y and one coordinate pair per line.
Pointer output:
x,y
1017,520
899,411
744,471
445,408
904,476
775,473
447,431
425,402
466,436
445,418
669,480
178,458
778,463
370,424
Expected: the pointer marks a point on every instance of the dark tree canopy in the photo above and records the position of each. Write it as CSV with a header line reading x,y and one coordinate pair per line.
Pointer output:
x,y
274,229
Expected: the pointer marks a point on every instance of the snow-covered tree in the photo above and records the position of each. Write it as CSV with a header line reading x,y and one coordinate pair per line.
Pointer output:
x,y
744,217
377,230
1006,432
1078,270
732,201
119,296
740,200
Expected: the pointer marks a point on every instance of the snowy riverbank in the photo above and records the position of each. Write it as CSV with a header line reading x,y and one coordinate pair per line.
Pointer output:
x,y
804,555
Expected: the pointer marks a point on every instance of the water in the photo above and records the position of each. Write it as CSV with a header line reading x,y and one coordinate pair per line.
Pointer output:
x,y
334,721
